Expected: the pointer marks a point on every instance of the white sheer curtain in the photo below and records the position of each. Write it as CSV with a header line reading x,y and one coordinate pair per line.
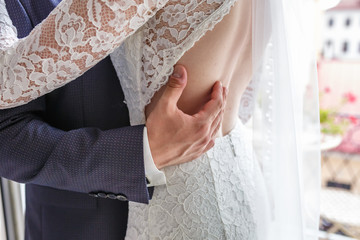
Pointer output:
x,y
285,120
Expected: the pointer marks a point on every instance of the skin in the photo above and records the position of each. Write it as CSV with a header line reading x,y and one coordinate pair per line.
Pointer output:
x,y
176,137
229,62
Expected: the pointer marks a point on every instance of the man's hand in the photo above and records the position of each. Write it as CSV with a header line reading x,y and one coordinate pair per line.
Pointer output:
x,y
176,137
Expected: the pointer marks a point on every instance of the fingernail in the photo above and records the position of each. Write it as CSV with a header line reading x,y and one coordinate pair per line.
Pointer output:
x,y
177,73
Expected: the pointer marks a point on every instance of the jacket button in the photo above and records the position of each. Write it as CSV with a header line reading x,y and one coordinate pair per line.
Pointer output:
x,y
93,195
111,196
121,197
102,195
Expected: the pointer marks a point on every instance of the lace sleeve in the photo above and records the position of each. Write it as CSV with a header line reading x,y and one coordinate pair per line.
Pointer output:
x,y
7,30
146,59
73,38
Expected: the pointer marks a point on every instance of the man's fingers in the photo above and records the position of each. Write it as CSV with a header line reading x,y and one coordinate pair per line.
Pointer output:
x,y
209,146
225,93
216,124
175,86
214,105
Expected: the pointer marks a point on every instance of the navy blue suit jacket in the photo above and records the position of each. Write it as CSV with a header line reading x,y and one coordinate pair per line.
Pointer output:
x,y
69,143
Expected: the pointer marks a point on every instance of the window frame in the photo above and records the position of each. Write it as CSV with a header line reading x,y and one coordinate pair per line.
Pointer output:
x,y
11,210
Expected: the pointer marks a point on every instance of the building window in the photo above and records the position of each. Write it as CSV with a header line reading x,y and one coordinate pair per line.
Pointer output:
x,y
348,22
331,22
345,47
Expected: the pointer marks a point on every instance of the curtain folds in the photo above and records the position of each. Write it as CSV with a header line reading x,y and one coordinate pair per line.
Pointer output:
x,y
285,118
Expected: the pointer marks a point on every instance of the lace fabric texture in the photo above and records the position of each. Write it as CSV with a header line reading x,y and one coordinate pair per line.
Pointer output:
x,y
146,59
73,38
8,32
76,36
219,195
157,33
213,197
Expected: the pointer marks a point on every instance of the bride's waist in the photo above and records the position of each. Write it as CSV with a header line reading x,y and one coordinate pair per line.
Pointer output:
x,y
229,122
232,149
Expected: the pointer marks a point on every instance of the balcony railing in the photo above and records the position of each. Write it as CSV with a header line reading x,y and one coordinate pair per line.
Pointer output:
x,y
340,194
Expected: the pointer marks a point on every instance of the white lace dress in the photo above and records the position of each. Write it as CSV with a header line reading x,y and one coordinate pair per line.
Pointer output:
x,y
221,195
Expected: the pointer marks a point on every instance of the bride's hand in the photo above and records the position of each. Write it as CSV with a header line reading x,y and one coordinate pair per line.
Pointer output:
x,y
176,137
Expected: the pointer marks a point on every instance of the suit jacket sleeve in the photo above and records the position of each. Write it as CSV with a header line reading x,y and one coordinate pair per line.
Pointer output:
x,y
83,160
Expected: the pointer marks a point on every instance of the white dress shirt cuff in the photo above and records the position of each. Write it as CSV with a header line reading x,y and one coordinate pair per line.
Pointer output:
x,y
154,176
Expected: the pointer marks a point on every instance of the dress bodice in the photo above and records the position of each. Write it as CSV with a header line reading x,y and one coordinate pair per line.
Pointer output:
x,y
146,59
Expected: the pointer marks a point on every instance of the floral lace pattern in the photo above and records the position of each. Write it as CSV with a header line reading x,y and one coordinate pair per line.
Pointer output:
x,y
7,30
83,34
74,37
146,59
211,197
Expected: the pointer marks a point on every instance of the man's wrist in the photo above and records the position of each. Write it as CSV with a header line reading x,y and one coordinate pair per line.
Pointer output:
x,y
154,176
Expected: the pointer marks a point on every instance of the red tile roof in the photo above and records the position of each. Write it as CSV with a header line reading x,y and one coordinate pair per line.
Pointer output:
x,y
347,4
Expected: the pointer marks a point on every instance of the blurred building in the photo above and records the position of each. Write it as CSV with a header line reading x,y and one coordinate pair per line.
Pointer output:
x,y
339,76
342,31
339,64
